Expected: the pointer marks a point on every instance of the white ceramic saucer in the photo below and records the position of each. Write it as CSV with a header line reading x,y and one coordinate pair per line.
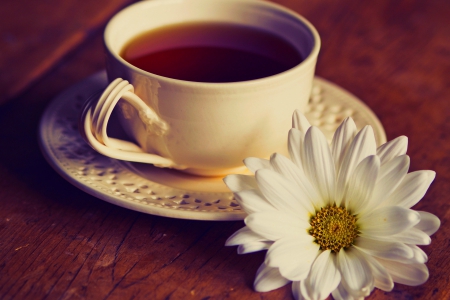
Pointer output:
x,y
158,191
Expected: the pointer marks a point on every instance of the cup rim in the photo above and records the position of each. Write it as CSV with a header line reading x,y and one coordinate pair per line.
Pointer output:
x,y
279,76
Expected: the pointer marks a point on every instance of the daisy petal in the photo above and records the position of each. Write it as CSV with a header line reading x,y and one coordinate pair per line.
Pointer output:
x,y
300,122
429,223
341,293
253,247
381,277
253,201
409,236
248,241
242,236
268,279
390,176
388,220
274,225
295,147
355,271
408,274
363,145
293,256
283,194
254,164
362,183
296,290
383,285
239,182
288,169
383,249
319,164
392,149
323,278
341,141
420,257
411,189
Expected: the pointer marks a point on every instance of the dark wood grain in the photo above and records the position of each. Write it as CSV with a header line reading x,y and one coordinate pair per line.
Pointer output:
x,y
57,242
36,35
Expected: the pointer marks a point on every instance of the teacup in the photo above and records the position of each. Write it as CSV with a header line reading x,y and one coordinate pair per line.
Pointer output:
x,y
201,128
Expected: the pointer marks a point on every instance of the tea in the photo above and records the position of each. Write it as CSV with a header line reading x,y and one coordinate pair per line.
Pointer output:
x,y
211,52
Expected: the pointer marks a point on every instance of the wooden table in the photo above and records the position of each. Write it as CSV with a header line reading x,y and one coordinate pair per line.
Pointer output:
x,y
58,242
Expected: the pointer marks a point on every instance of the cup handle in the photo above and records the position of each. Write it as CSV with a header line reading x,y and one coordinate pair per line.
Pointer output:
x,y
94,121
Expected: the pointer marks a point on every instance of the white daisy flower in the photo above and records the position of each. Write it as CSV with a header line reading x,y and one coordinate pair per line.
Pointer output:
x,y
335,219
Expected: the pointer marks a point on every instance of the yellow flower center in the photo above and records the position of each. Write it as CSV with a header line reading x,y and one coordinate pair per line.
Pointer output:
x,y
334,228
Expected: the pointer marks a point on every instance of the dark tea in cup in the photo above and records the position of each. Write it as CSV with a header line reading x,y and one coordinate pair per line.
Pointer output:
x,y
211,52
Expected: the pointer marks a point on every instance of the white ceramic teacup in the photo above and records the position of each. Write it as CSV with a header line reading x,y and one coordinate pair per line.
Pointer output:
x,y
200,128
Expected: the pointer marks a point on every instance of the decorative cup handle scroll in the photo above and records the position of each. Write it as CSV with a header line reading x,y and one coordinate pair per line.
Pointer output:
x,y
94,121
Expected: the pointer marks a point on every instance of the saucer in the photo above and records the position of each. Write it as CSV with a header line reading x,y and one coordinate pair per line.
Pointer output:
x,y
166,192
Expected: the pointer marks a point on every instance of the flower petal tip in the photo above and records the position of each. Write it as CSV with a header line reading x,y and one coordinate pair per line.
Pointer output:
x,y
414,217
431,175
299,121
254,163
